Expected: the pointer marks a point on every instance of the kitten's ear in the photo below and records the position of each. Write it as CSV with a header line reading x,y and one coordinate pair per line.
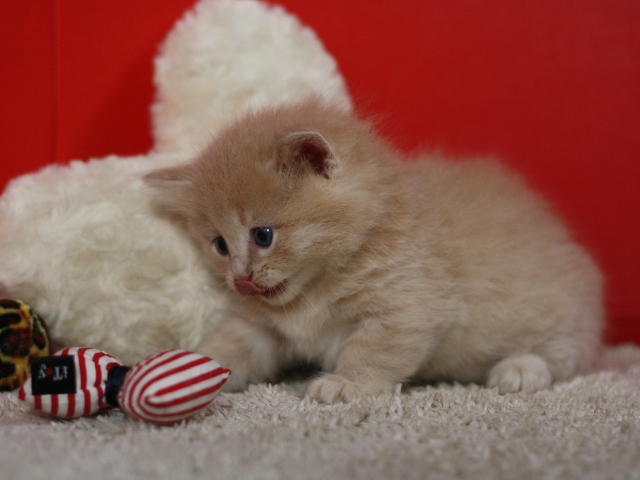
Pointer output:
x,y
169,187
308,149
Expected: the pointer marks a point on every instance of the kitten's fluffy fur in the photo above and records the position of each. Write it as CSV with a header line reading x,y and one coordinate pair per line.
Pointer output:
x,y
380,270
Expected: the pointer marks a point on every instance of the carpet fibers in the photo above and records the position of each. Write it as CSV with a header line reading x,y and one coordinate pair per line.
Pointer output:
x,y
586,428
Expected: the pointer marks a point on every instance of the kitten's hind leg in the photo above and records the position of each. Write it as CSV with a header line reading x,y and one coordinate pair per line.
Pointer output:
x,y
520,373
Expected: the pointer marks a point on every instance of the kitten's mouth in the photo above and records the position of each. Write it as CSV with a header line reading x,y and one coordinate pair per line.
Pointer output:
x,y
248,288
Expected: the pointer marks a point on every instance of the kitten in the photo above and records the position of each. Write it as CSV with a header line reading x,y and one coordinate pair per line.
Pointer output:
x,y
378,270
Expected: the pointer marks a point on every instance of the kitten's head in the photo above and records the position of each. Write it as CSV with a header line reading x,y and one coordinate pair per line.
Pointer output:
x,y
279,198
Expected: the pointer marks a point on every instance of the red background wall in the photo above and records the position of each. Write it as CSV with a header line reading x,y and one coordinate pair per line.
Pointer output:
x,y
551,87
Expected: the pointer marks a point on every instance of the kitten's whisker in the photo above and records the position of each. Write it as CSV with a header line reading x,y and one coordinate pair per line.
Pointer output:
x,y
306,299
284,306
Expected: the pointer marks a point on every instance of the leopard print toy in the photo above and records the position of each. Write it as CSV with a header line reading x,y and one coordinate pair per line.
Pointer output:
x,y
23,336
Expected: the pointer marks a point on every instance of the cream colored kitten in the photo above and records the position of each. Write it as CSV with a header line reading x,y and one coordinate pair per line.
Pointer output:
x,y
379,270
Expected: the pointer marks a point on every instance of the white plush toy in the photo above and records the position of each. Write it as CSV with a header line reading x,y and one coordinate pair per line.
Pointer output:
x,y
82,244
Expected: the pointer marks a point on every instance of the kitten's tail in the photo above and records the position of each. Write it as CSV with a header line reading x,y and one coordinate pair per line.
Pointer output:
x,y
618,358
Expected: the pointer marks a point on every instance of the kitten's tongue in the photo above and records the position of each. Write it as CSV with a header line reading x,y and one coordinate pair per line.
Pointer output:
x,y
245,287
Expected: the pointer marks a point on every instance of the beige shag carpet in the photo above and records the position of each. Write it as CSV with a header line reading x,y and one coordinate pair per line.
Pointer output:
x,y
586,428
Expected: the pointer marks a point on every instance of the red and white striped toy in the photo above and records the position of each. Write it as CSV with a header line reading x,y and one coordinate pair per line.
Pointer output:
x,y
88,374
170,386
165,388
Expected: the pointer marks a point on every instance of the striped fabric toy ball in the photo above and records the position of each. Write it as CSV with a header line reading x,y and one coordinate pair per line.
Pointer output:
x,y
170,386
70,383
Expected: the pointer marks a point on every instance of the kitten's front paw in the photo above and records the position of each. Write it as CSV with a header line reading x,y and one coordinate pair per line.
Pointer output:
x,y
520,373
331,388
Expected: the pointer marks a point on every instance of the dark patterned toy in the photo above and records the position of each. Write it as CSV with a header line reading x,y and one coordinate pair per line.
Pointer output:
x,y
23,336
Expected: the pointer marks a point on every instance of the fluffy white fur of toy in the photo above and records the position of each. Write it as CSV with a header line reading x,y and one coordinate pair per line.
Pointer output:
x,y
226,56
82,243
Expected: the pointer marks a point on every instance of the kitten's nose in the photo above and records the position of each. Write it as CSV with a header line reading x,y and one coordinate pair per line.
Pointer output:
x,y
244,286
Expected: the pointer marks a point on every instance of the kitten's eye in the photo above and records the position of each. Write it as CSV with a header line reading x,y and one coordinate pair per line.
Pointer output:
x,y
221,246
263,236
